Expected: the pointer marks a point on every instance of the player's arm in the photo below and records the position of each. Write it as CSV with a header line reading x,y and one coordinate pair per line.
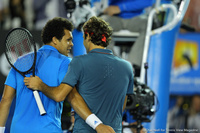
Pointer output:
x,y
60,93
78,104
6,101
125,101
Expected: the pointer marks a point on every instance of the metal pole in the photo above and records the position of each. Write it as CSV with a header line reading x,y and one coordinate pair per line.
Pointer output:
x,y
157,3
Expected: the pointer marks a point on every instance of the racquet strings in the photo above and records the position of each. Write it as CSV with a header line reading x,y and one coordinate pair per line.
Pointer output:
x,y
20,48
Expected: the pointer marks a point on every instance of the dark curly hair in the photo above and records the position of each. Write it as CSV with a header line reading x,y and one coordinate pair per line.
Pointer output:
x,y
55,28
98,29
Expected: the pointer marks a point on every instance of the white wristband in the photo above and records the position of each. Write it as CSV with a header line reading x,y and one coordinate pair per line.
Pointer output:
x,y
93,121
2,129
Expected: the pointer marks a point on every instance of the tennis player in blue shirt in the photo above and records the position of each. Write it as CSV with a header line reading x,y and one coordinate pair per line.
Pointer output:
x,y
51,66
102,79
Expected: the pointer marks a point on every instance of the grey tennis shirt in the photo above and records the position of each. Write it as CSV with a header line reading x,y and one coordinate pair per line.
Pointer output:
x,y
103,80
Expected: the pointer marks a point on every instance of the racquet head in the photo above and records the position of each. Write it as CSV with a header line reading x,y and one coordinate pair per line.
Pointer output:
x,y
20,50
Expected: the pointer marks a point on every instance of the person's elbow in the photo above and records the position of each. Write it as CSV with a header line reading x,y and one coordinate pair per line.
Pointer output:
x,y
59,94
59,98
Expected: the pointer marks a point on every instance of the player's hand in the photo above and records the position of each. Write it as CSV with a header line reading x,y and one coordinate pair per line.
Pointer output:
x,y
33,83
101,128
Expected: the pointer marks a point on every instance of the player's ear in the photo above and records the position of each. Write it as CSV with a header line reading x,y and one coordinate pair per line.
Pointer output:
x,y
86,34
54,40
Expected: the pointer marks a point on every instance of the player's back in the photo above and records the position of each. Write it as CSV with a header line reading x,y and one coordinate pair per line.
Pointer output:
x,y
104,82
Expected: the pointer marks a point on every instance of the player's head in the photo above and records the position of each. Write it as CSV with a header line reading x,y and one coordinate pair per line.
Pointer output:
x,y
99,31
58,33
55,28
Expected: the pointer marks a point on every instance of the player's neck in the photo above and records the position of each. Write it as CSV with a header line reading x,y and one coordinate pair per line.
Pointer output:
x,y
92,46
51,44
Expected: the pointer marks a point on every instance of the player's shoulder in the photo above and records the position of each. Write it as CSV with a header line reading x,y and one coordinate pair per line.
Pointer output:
x,y
78,60
123,60
65,58
27,56
79,57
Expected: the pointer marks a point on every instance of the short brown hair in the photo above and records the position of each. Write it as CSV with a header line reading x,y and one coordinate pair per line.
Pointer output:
x,y
98,28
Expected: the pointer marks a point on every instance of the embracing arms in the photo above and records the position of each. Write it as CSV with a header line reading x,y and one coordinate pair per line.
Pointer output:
x,y
62,91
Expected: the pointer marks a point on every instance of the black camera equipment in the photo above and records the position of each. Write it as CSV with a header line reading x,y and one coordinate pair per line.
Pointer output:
x,y
70,6
141,103
78,11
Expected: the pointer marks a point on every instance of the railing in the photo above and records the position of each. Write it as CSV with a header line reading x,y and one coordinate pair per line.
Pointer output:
x,y
177,17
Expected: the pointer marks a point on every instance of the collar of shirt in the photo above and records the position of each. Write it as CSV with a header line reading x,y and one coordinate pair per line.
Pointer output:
x,y
101,51
48,47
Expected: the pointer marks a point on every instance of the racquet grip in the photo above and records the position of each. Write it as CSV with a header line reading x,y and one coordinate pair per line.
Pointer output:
x,y
39,103
2,129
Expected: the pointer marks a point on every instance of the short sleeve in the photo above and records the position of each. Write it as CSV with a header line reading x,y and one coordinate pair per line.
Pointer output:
x,y
131,82
11,79
74,71
63,69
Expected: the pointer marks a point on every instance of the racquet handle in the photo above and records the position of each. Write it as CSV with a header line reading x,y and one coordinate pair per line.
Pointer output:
x,y
39,103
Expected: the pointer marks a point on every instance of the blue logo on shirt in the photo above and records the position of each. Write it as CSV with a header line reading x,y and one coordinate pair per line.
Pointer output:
x,y
95,122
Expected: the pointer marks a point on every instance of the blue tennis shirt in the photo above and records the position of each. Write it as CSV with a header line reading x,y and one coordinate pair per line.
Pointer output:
x,y
103,80
51,67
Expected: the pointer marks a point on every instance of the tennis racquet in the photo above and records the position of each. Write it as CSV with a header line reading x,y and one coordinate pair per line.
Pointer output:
x,y
20,51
